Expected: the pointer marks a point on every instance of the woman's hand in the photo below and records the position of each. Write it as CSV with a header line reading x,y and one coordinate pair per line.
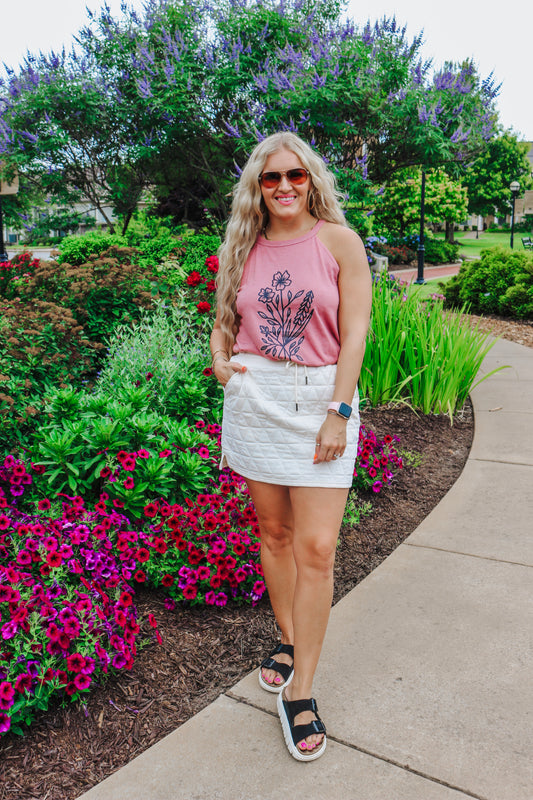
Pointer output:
x,y
331,439
224,370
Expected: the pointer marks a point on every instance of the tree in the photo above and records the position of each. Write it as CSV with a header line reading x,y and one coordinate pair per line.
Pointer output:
x,y
489,177
398,208
177,99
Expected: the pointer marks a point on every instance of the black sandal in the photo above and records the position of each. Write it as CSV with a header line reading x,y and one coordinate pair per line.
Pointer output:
x,y
288,710
285,670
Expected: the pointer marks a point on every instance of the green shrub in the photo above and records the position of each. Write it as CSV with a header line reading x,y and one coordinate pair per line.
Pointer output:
x,y
77,250
85,436
167,352
102,292
499,282
42,345
436,251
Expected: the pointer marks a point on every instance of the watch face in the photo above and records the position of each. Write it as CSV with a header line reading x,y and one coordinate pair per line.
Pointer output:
x,y
345,410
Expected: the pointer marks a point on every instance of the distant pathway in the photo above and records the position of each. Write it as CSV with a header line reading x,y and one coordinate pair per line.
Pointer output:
x,y
409,274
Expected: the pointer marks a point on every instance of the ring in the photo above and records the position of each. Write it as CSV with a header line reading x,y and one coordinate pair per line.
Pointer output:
x,y
335,455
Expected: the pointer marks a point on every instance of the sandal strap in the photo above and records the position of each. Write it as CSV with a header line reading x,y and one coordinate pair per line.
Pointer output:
x,y
295,707
301,732
284,670
288,649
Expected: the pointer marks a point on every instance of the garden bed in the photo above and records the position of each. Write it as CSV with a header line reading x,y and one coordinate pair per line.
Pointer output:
x,y
206,650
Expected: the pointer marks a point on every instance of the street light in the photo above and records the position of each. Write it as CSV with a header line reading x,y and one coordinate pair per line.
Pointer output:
x,y
421,248
3,255
6,187
515,190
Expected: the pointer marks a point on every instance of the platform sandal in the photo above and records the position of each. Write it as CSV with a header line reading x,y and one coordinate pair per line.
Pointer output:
x,y
288,710
285,670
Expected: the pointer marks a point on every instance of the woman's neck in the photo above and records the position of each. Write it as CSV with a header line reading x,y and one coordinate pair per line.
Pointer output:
x,y
278,230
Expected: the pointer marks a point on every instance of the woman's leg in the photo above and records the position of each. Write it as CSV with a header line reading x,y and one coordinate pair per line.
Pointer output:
x,y
274,512
317,516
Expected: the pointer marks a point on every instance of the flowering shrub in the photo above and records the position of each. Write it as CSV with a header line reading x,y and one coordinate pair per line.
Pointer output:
x,y
397,254
67,579
68,573
201,287
377,459
135,456
19,268
66,608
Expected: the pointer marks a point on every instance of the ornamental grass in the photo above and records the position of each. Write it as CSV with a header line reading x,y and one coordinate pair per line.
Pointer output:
x,y
417,353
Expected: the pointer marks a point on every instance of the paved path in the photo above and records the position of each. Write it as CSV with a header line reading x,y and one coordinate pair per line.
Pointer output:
x,y
442,271
425,678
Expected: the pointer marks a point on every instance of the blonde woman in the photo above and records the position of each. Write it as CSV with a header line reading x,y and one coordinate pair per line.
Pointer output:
x,y
293,305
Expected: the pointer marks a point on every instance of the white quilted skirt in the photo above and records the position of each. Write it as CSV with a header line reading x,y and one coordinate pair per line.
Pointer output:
x,y
272,414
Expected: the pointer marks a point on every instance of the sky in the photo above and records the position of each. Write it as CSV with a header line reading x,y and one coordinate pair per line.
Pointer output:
x,y
496,36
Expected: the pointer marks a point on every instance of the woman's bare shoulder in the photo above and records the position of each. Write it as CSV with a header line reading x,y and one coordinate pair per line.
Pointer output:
x,y
340,240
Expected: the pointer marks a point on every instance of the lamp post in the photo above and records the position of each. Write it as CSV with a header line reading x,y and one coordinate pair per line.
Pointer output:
x,y
515,189
6,187
421,248
3,255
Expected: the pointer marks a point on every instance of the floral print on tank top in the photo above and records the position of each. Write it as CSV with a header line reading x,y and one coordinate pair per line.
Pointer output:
x,y
285,319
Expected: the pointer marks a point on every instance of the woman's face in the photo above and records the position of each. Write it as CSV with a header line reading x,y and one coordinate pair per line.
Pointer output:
x,y
286,201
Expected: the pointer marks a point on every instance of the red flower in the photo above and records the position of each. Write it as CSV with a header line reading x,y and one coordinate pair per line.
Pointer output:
x,y
125,599
128,463
203,306
207,372
194,278
23,683
190,592
150,510
43,505
211,286
167,580
75,662
82,682
142,554
54,559
140,576
211,263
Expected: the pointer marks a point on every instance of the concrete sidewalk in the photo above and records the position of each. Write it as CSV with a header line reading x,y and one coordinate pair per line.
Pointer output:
x,y
425,677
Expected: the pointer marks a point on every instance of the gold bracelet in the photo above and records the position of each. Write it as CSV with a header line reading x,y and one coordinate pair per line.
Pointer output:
x,y
214,361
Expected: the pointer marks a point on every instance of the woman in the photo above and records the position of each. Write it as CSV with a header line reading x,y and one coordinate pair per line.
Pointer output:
x,y
293,304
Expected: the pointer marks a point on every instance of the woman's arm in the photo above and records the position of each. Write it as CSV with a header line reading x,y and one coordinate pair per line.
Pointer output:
x,y
220,354
355,299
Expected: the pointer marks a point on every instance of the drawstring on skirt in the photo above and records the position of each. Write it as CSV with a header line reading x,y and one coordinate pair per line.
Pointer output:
x,y
306,375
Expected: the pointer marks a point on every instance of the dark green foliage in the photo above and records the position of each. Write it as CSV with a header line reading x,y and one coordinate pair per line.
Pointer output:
x,y
500,282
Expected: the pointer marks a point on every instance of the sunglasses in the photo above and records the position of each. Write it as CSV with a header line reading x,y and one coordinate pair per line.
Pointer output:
x,y
295,176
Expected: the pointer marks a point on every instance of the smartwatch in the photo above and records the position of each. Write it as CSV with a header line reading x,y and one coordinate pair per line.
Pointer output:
x,y
341,409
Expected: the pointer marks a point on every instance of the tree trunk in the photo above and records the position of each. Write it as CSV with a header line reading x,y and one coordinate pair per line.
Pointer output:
x,y
450,228
127,220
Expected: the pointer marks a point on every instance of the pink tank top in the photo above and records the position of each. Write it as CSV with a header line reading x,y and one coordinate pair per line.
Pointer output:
x,y
288,301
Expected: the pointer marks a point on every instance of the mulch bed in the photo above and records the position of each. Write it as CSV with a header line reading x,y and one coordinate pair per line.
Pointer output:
x,y
206,650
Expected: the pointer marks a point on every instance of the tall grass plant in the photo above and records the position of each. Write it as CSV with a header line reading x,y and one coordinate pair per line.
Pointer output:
x,y
419,354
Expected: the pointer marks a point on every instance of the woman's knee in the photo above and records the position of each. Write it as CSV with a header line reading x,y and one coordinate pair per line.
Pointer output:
x,y
317,554
276,535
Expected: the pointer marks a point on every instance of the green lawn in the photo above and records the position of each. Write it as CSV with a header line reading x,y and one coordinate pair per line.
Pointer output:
x,y
471,248
428,288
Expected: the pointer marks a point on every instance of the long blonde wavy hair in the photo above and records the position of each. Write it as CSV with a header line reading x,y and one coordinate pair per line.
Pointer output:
x,y
249,216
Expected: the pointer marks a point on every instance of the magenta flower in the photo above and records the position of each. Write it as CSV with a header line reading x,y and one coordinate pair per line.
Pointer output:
x,y
7,695
5,722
